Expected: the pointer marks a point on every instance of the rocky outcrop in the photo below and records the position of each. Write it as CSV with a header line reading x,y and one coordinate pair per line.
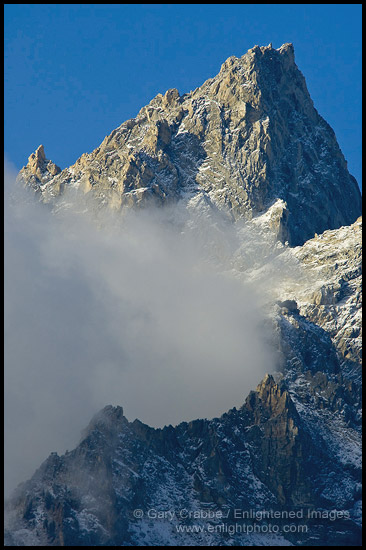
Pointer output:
x,y
244,139
281,447
39,170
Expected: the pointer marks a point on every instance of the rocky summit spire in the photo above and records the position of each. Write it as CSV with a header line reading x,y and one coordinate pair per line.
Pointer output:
x,y
39,170
244,139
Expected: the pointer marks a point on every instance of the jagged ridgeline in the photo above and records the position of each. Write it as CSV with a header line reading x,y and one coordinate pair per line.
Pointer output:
x,y
244,139
250,143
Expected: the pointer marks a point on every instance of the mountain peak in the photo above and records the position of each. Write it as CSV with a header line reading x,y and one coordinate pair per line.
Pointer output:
x,y
285,54
286,51
246,138
250,143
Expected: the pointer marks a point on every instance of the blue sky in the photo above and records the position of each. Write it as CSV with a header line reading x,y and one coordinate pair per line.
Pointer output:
x,y
74,72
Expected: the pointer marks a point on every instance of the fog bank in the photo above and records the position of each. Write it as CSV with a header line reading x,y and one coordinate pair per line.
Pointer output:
x,y
141,311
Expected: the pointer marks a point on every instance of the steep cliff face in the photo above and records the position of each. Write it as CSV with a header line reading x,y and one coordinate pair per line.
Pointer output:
x,y
250,143
242,140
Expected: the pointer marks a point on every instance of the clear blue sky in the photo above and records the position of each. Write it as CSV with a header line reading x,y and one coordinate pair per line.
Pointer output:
x,y
74,72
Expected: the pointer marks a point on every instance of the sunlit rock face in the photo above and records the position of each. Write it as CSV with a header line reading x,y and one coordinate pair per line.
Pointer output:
x,y
244,139
249,144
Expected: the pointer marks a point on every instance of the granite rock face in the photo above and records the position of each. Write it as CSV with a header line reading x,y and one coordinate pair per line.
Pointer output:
x,y
244,139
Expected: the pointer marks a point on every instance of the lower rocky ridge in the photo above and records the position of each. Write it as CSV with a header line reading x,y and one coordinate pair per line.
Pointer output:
x,y
130,484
